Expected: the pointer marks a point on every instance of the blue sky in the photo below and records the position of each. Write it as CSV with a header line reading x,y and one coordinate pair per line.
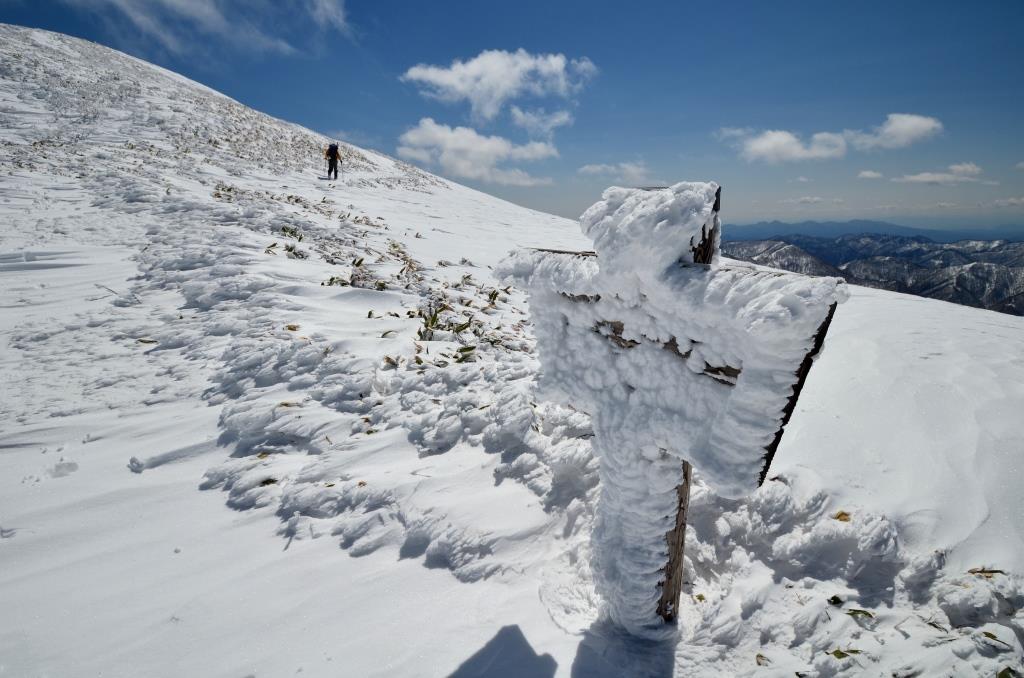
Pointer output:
x,y
908,112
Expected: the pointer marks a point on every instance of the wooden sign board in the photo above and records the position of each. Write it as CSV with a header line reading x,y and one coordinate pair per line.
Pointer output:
x,y
694,367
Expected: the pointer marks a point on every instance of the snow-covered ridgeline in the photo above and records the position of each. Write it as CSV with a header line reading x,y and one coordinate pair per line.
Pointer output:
x,y
676,359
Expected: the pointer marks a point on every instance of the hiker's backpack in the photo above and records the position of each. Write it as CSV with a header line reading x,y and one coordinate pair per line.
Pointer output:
x,y
332,151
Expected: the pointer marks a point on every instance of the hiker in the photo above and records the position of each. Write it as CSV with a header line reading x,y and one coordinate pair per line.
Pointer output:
x,y
333,160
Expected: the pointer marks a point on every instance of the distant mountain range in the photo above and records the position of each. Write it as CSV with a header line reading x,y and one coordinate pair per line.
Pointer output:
x,y
982,273
768,230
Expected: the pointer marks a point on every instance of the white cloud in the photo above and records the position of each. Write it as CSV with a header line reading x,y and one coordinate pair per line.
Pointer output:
x,y
240,24
417,154
812,200
538,123
1009,202
329,14
898,131
1020,165
870,174
937,178
494,77
945,205
958,173
464,153
965,169
805,200
803,180
775,146
633,173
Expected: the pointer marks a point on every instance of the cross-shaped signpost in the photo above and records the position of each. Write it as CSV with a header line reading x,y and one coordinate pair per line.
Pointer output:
x,y
682,362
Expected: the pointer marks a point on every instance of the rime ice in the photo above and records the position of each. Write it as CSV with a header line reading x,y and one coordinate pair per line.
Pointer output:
x,y
643,232
674,360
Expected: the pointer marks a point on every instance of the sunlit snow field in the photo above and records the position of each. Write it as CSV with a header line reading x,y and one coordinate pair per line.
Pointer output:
x,y
235,439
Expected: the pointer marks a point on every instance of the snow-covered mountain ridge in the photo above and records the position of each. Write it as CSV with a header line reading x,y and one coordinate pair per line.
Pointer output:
x,y
191,317
981,273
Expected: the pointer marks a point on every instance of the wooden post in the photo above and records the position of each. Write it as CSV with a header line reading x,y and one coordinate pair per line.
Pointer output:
x,y
672,585
680,326
704,251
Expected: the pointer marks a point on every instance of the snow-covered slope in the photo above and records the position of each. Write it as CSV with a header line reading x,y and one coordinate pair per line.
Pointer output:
x,y
242,430
780,255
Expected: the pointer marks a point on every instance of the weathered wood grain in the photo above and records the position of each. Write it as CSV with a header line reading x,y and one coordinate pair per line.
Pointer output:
x,y
672,585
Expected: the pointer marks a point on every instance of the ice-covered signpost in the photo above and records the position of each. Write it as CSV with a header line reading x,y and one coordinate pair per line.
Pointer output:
x,y
679,360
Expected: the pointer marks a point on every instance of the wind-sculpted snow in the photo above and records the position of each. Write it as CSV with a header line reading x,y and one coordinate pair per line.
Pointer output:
x,y
643,232
777,584
676,362
224,376
166,166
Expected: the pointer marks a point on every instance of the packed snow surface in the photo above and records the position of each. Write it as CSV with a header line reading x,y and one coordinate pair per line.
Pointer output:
x,y
257,423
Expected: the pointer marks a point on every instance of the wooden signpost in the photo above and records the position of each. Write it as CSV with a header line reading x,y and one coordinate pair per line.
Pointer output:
x,y
701,363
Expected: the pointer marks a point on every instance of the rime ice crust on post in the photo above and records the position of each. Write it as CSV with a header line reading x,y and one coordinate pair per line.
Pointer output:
x,y
644,232
679,360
